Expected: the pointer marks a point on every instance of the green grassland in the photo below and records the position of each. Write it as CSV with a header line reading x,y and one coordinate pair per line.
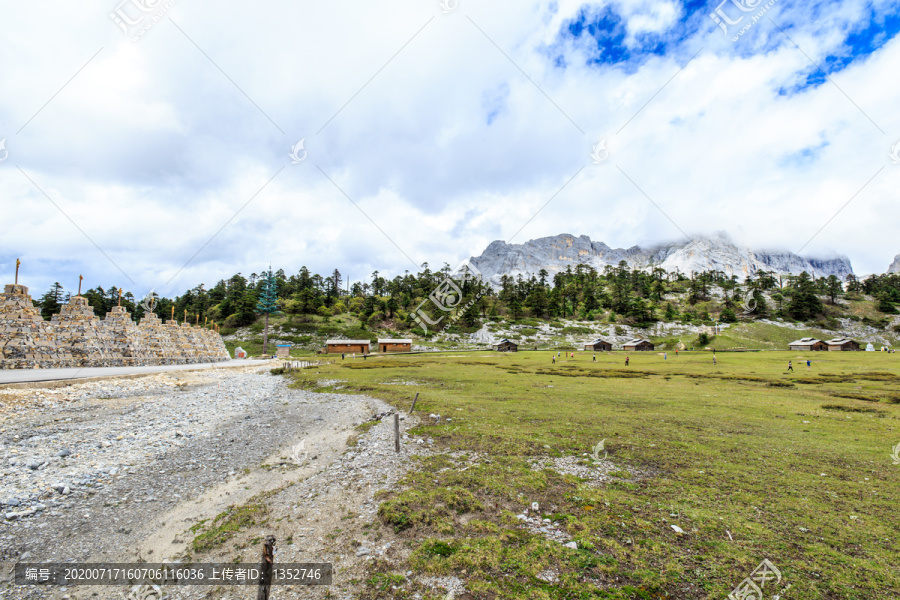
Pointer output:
x,y
749,461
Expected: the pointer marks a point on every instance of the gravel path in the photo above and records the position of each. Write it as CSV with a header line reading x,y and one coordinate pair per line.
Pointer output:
x,y
118,470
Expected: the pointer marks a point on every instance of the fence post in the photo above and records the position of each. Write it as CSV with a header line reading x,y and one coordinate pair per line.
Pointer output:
x,y
265,568
397,432
413,407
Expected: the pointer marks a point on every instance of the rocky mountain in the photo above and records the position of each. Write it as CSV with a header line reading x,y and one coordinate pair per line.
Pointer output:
x,y
701,253
895,266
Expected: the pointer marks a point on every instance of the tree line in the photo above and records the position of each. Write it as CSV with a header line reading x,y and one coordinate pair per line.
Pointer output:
x,y
616,294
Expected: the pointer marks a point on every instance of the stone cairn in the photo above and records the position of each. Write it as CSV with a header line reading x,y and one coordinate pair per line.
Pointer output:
x,y
77,338
157,341
180,343
78,328
215,345
26,340
125,339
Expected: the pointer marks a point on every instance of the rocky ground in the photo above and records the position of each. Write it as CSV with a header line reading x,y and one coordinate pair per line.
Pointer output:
x,y
119,470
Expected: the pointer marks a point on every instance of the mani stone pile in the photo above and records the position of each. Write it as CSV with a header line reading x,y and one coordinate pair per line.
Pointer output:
x,y
77,338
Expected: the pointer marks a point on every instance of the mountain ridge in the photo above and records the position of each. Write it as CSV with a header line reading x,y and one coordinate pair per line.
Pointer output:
x,y
715,252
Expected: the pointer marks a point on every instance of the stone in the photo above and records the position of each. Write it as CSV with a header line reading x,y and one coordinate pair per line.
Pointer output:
x,y
572,545
363,551
64,453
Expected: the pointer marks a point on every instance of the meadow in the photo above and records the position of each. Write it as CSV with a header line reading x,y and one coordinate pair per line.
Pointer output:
x,y
705,471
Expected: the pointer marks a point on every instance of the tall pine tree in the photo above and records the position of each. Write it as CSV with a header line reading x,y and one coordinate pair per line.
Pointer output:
x,y
268,302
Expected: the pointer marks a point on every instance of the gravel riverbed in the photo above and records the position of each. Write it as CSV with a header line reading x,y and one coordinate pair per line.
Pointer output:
x,y
118,470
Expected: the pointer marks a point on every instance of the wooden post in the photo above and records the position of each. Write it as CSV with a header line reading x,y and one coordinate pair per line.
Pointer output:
x,y
80,277
173,312
185,316
397,432
413,407
18,262
265,568
120,296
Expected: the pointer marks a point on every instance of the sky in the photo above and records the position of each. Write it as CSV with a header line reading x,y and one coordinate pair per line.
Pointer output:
x,y
159,144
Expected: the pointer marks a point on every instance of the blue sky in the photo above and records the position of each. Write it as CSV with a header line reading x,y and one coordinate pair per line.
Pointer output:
x,y
164,162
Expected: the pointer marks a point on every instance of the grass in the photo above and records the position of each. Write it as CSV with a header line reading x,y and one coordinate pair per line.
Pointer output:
x,y
750,461
226,525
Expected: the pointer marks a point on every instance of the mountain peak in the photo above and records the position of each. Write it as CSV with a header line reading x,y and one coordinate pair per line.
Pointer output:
x,y
702,252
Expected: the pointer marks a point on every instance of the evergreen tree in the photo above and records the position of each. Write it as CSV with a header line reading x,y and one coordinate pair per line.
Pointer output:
x,y
804,304
52,301
268,302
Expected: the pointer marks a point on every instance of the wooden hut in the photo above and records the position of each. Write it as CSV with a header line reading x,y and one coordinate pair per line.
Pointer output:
x,y
639,345
808,344
505,345
843,344
598,345
395,345
346,346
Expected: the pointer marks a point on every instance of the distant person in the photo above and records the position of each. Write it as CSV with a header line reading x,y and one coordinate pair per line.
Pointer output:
x,y
626,360
808,365
714,359
365,355
676,353
665,356
553,359
791,366
342,356
595,357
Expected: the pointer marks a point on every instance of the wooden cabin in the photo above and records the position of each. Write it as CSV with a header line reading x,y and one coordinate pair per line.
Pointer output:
x,y
598,345
505,345
398,345
843,344
639,345
346,346
808,344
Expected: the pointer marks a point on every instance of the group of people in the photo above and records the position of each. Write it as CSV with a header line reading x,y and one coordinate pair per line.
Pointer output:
x,y
666,357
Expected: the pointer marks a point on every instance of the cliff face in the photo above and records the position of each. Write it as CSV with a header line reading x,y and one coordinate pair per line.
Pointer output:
x,y
702,253
895,266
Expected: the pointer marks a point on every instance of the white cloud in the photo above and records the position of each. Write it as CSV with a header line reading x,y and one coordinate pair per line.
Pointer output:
x,y
151,149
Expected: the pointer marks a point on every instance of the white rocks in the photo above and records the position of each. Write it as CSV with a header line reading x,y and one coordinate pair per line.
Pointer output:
x,y
572,545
